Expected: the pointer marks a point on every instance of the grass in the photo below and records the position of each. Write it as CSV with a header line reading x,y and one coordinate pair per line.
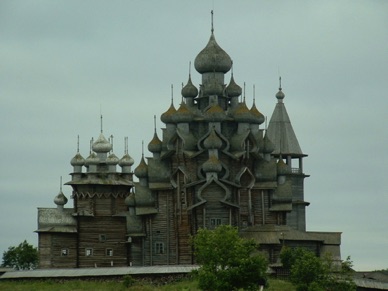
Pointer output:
x,y
79,285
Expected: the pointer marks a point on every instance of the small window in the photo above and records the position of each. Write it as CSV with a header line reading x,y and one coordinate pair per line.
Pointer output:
x,y
64,252
102,237
214,222
88,252
109,252
159,248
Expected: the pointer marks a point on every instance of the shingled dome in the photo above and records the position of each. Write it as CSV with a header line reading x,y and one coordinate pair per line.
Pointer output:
x,y
101,145
212,58
233,90
77,160
189,90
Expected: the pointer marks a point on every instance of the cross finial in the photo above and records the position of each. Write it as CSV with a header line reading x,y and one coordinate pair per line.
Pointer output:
x,y
244,92
101,122
172,93
212,22
280,83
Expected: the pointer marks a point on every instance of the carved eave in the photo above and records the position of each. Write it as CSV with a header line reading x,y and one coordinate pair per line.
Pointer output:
x,y
82,194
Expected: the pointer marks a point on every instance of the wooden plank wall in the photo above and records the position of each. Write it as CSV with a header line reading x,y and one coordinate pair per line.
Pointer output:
x,y
114,229
62,241
44,250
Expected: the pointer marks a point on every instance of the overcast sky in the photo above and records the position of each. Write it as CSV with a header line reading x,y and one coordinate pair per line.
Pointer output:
x,y
62,63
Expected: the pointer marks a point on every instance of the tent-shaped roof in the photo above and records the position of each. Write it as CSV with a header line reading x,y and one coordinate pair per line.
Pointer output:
x,y
281,133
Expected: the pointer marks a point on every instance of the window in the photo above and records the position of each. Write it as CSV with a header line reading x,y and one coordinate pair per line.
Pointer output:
x,y
64,252
159,248
214,222
88,252
102,237
109,252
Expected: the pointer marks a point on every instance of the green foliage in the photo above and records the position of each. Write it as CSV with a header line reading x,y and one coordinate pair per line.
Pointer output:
x,y
311,273
306,270
227,261
22,257
128,281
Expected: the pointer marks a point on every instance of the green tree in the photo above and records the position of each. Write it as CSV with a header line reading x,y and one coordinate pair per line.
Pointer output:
x,y
227,261
22,257
311,273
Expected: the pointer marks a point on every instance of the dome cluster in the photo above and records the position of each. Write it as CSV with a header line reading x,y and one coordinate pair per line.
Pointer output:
x,y
99,156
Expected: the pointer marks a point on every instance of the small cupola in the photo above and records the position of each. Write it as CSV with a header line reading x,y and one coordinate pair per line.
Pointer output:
x,y
126,161
60,200
189,90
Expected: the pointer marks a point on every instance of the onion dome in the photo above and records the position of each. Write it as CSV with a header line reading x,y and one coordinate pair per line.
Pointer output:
x,y
212,141
212,165
189,90
130,200
92,159
155,145
60,199
183,114
101,145
212,58
126,160
258,117
280,95
267,145
215,114
282,167
166,117
233,90
141,170
112,159
77,160
213,87
242,114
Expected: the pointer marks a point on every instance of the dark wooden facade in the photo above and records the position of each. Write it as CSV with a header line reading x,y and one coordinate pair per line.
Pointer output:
x,y
214,165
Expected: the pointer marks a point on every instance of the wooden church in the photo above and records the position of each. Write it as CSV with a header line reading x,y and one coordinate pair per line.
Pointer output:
x,y
214,164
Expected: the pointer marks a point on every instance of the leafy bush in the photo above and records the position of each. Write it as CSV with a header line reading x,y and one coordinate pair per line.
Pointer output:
x,y
22,257
227,261
311,273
